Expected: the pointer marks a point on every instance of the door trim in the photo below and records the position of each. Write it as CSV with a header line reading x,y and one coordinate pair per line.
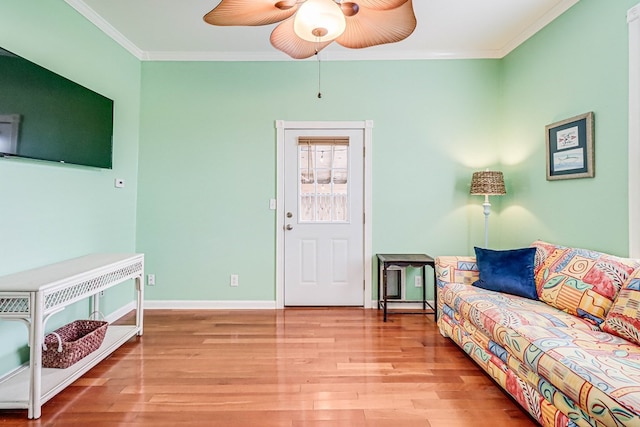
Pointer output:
x,y
633,22
367,127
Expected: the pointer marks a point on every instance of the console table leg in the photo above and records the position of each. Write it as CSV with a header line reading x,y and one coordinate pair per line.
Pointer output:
x,y
35,355
95,306
140,298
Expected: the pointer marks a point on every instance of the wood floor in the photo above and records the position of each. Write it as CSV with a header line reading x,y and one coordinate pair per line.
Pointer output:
x,y
282,368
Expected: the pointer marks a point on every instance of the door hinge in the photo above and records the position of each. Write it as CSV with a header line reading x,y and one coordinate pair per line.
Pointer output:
x,y
364,151
364,219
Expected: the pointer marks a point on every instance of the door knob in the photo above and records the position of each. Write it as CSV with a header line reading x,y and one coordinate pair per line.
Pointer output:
x,y
289,214
289,227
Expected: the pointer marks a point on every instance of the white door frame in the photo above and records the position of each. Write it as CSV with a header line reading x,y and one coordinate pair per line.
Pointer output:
x,y
633,21
281,126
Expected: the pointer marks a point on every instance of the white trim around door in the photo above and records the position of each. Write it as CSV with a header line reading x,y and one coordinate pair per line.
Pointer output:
x,y
633,20
367,127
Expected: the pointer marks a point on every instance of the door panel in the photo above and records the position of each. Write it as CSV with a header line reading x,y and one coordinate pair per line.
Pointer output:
x,y
323,244
309,265
339,258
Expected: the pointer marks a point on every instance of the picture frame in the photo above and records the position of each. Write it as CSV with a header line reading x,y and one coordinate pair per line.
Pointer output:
x,y
570,152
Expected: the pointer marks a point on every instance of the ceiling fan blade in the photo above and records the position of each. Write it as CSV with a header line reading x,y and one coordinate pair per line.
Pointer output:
x,y
370,27
285,39
380,4
249,12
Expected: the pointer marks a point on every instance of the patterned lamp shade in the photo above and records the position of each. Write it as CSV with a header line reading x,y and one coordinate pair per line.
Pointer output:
x,y
488,183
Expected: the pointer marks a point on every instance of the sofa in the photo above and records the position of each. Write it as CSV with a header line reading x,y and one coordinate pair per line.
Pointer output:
x,y
555,327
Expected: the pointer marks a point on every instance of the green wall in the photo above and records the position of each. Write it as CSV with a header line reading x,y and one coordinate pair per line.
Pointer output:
x,y
578,63
53,212
208,164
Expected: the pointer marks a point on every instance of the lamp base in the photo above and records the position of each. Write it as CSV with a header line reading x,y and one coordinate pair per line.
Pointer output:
x,y
487,210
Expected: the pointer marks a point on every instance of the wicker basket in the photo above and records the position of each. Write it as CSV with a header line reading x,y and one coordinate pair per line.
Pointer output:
x,y
70,343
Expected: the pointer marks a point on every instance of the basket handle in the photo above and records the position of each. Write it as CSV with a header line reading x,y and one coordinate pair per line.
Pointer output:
x,y
97,313
44,345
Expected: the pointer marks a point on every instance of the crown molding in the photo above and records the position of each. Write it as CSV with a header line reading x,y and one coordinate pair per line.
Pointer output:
x,y
545,20
633,13
334,55
215,56
406,55
83,9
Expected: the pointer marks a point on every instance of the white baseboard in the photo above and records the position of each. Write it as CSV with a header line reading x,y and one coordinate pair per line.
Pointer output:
x,y
241,305
225,305
407,305
112,317
208,305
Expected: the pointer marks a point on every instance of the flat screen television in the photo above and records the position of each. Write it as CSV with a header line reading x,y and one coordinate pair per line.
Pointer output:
x,y
48,117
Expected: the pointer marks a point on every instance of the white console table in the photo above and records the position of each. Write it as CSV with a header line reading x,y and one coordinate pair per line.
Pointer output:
x,y
33,296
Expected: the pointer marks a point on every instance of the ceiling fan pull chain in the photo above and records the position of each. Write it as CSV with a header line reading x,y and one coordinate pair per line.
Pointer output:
x,y
319,75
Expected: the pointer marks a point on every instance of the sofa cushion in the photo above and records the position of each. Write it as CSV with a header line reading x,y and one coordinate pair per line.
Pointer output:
x,y
512,375
509,271
458,269
596,369
486,309
543,250
623,319
582,282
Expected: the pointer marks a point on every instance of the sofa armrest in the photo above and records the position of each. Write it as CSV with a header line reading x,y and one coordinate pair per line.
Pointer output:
x,y
456,269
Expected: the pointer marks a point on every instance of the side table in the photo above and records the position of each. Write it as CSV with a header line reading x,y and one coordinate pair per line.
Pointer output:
x,y
406,260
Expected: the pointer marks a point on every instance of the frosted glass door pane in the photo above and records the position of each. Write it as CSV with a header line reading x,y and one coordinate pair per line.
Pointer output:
x,y
323,186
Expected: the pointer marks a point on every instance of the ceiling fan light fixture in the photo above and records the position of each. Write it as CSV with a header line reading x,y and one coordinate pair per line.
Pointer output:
x,y
349,8
319,21
285,4
306,27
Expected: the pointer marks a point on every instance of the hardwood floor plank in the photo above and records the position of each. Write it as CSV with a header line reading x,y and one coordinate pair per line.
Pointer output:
x,y
218,389
307,367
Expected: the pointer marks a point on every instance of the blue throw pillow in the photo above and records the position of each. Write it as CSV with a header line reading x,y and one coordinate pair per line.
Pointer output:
x,y
509,271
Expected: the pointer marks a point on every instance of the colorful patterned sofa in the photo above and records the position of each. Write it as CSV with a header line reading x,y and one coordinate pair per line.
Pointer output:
x,y
571,358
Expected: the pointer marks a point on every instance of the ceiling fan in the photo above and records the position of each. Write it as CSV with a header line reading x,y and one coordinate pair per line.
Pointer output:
x,y
308,26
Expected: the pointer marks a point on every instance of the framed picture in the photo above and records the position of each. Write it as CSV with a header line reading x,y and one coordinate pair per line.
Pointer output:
x,y
570,148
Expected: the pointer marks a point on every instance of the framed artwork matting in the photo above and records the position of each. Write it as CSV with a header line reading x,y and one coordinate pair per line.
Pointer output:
x,y
570,151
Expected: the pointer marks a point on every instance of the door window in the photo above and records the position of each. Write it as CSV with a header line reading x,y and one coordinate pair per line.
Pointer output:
x,y
323,187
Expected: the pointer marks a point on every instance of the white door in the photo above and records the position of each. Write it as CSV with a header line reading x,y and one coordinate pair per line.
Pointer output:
x,y
323,224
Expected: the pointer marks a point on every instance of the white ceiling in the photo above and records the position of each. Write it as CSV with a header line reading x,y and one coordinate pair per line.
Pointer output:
x,y
175,30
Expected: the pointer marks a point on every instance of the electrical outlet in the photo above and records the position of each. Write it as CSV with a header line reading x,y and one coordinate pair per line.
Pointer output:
x,y
151,279
234,280
417,281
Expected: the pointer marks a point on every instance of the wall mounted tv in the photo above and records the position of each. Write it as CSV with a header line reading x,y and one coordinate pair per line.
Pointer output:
x,y
48,117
